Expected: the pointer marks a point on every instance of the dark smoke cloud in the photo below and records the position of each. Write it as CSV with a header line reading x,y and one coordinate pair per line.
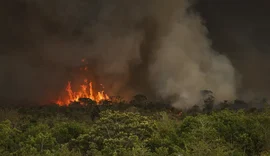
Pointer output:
x,y
154,47
240,30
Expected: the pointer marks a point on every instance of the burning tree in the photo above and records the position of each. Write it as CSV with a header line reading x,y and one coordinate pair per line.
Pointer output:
x,y
86,91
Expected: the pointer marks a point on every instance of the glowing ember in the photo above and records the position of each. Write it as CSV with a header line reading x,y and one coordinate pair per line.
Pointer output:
x,y
86,91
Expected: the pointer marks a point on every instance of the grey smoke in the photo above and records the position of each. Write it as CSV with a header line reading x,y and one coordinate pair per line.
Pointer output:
x,y
186,64
240,30
154,47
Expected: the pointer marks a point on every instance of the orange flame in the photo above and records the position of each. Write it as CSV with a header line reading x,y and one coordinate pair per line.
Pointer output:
x,y
86,91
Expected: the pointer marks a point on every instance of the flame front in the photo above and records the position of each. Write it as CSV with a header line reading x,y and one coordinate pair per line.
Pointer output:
x,y
86,91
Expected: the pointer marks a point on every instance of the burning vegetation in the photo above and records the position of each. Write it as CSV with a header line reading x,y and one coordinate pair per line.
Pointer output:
x,y
86,90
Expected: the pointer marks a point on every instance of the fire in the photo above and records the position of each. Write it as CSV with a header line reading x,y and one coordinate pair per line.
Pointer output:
x,y
86,91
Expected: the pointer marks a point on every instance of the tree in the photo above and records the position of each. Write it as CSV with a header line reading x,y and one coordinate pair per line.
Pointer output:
x,y
36,140
115,132
240,130
165,138
66,131
199,137
9,138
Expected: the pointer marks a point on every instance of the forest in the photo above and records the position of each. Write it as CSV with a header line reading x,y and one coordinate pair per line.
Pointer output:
x,y
135,128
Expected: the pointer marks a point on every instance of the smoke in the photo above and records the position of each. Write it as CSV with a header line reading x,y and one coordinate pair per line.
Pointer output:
x,y
186,64
240,30
152,47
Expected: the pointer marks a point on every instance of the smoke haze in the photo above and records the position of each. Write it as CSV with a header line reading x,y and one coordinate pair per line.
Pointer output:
x,y
154,47
240,30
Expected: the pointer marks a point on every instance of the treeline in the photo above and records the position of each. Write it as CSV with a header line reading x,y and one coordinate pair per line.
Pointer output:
x,y
136,128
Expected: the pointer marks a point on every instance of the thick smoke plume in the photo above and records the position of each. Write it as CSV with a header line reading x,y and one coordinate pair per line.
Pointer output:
x,y
240,30
154,47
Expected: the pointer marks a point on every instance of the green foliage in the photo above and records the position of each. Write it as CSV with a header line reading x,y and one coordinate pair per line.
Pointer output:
x,y
264,123
223,133
199,136
65,131
9,114
37,139
122,130
8,138
165,137
65,151
115,132
241,130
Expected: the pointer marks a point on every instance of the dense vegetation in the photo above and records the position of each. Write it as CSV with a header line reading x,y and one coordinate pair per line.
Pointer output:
x,y
137,128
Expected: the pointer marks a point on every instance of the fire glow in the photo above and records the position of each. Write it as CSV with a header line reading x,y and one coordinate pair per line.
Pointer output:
x,y
86,91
